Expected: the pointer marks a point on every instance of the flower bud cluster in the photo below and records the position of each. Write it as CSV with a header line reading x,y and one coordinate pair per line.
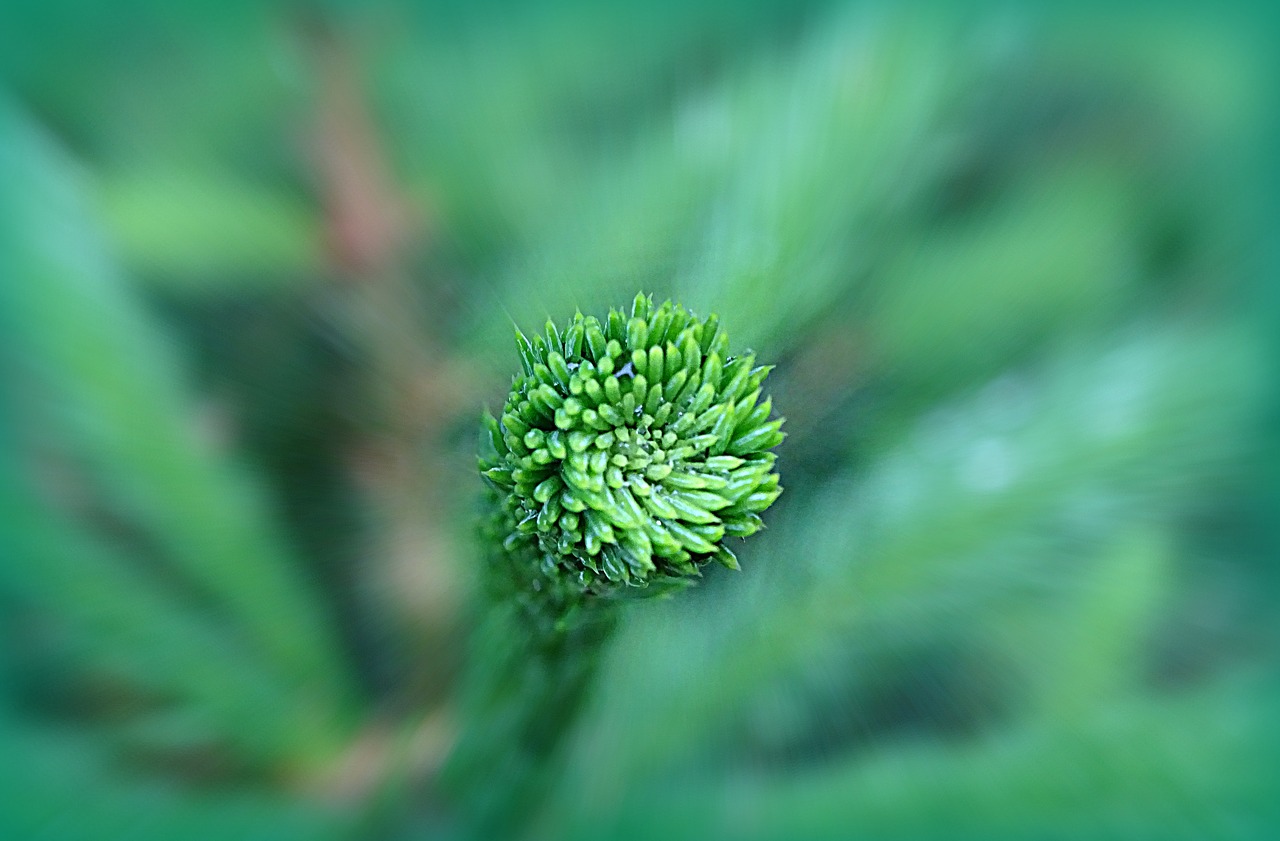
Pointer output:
x,y
630,449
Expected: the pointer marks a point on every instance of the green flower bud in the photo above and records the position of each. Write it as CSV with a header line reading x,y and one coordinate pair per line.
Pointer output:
x,y
629,450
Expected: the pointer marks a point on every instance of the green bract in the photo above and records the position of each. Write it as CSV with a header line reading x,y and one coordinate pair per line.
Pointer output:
x,y
629,449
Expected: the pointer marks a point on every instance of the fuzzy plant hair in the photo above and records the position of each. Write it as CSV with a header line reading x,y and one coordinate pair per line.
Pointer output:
x,y
630,450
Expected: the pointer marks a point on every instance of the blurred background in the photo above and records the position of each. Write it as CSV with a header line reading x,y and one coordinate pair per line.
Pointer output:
x,y
258,269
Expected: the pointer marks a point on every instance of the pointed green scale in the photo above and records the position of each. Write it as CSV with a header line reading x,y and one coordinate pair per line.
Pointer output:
x,y
725,556
549,395
539,349
580,481
759,501
610,415
657,472
547,519
654,364
526,412
613,567
692,447
605,507
720,345
658,324
743,527
499,476
736,375
640,561
745,406
707,500
653,399
690,353
664,413
661,539
722,431
549,487
571,501
639,362
682,398
612,390
540,408
682,322
657,505
712,368
672,361
691,540
710,481
688,512
672,384
595,339
527,476
552,504
553,335
573,338
739,487
592,418
630,504
703,399
640,388
684,423
723,463
615,328
559,369
761,438
491,436
709,329
752,419
713,533
757,376
637,334
525,351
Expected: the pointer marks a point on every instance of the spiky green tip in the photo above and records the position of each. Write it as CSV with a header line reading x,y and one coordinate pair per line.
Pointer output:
x,y
630,449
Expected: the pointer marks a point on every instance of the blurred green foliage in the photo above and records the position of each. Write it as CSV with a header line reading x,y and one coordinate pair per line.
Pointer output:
x,y
258,268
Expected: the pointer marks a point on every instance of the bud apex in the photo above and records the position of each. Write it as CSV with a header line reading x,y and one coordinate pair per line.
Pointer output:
x,y
629,450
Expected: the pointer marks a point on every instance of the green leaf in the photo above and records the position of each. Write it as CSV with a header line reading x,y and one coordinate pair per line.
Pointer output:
x,y
124,413
197,231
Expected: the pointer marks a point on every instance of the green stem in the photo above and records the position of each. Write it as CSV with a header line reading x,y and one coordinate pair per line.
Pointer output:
x,y
538,655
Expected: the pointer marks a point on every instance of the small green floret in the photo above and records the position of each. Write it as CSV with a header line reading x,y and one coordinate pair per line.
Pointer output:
x,y
629,449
